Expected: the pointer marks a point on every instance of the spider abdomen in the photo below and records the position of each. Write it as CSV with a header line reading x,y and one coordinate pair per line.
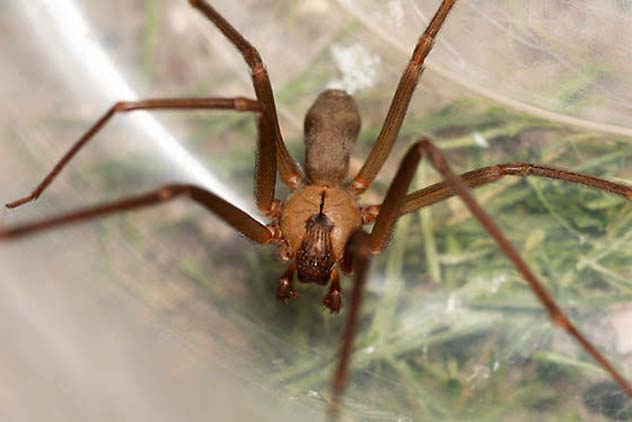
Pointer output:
x,y
331,128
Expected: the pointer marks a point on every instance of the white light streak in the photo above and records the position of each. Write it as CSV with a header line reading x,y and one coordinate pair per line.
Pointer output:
x,y
66,27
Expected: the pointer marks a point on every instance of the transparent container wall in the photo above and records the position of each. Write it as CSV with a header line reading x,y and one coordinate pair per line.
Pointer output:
x,y
565,61
167,314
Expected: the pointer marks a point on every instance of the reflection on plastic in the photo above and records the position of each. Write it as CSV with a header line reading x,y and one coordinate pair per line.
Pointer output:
x,y
65,28
564,61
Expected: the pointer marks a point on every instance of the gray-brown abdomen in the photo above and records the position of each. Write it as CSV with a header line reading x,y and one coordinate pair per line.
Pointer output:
x,y
331,128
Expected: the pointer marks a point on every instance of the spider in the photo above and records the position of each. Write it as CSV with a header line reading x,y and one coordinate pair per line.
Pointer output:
x,y
318,229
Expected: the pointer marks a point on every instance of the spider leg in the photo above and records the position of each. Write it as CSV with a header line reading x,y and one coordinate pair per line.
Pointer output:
x,y
230,214
399,105
237,104
263,90
357,258
485,175
391,210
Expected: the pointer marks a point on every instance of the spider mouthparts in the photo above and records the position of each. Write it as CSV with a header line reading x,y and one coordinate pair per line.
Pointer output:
x,y
333,301
285,291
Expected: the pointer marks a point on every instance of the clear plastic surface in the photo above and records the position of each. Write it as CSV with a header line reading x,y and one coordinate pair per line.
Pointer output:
x,y
167,314
565,61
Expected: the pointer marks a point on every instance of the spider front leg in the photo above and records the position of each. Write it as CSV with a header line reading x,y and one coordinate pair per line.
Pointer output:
x,y
400,102
486,175
391,209
357,258
266,155
230,214
263,90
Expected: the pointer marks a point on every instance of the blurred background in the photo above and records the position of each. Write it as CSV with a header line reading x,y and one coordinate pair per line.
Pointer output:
x,y
167,314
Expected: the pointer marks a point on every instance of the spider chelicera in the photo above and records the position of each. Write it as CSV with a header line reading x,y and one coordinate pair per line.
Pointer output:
x,y
318,229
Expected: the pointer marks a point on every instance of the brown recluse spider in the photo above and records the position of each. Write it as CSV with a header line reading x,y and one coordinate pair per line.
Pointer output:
x,y
318,228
